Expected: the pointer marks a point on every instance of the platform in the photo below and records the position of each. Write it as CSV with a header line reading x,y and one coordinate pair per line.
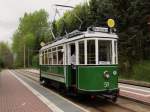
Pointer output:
x,y
55,102
15,97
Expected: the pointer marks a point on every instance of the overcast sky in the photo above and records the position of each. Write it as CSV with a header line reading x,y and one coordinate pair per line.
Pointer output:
x,y
12,10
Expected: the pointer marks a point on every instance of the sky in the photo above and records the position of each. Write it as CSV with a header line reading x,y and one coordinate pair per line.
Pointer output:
x,y
12,10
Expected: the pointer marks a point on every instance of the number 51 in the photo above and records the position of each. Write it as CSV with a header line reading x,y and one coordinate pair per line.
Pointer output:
x,y
106,84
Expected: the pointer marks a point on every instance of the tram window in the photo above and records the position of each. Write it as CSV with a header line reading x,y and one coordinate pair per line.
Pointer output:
x,y
54,49
50,58
60,57
105,52
42,57
115,49
60,54
81,52
46,57
91,52
49,50
60,47
54,58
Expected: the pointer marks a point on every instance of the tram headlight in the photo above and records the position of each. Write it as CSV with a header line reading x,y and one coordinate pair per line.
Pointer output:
x,y
106,74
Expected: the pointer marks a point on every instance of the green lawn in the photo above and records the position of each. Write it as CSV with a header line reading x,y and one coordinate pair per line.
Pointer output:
x,y
140,71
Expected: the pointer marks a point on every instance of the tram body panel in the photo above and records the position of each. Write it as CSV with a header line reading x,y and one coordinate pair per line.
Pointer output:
x,y
53,72
91,78
59,73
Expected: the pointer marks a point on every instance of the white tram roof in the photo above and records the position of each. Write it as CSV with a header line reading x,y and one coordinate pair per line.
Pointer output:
x,y
84,35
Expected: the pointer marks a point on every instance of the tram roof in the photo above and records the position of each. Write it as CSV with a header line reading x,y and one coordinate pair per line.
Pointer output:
x,y
82,35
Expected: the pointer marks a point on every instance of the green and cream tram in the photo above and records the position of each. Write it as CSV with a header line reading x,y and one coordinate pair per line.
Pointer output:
x,y
95,62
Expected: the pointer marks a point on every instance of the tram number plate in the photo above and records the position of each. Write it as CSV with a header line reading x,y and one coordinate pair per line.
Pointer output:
x,y
106,84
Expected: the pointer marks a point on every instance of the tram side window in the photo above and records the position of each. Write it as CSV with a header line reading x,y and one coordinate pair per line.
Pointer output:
x,y
54,58
91,52
49,56
105,52
54,54
42,58
81,52
46,57
60,55
115,49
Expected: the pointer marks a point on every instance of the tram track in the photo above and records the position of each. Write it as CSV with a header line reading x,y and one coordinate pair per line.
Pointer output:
x,y
97,105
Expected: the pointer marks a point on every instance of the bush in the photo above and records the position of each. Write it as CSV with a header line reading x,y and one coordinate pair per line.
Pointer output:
x,y
140,71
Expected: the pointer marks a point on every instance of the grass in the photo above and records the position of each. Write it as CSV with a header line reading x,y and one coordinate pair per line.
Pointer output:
x,y
140,72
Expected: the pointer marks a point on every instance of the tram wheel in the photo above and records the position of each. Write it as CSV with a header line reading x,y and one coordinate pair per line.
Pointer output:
x,y
114,99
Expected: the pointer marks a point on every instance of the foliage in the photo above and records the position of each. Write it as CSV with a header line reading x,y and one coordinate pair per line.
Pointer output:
x,y
140,72
35,61
100,11
33,29
6,57
134,37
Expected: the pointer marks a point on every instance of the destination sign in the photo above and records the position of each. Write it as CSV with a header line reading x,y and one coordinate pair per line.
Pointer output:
x,y
100,29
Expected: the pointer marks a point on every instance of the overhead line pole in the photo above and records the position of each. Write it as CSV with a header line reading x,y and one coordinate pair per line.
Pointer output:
x,y
67,6
24,55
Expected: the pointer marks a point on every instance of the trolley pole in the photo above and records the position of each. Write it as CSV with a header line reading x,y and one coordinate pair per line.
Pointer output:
x,y
24,55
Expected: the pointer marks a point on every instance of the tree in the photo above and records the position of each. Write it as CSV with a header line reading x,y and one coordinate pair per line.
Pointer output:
x,y
32,30
6,57
132,29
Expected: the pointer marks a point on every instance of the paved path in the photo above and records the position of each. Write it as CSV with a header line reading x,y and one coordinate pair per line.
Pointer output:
x,y
60,103
15,97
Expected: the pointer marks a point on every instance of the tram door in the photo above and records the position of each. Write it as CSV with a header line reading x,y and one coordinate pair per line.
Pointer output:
x,y
73,63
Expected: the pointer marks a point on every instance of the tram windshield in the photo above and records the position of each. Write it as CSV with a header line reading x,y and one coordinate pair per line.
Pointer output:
x,y
97,51
104,52
91,52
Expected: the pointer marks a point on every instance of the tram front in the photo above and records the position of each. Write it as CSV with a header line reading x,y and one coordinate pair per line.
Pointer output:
x,y
97,70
